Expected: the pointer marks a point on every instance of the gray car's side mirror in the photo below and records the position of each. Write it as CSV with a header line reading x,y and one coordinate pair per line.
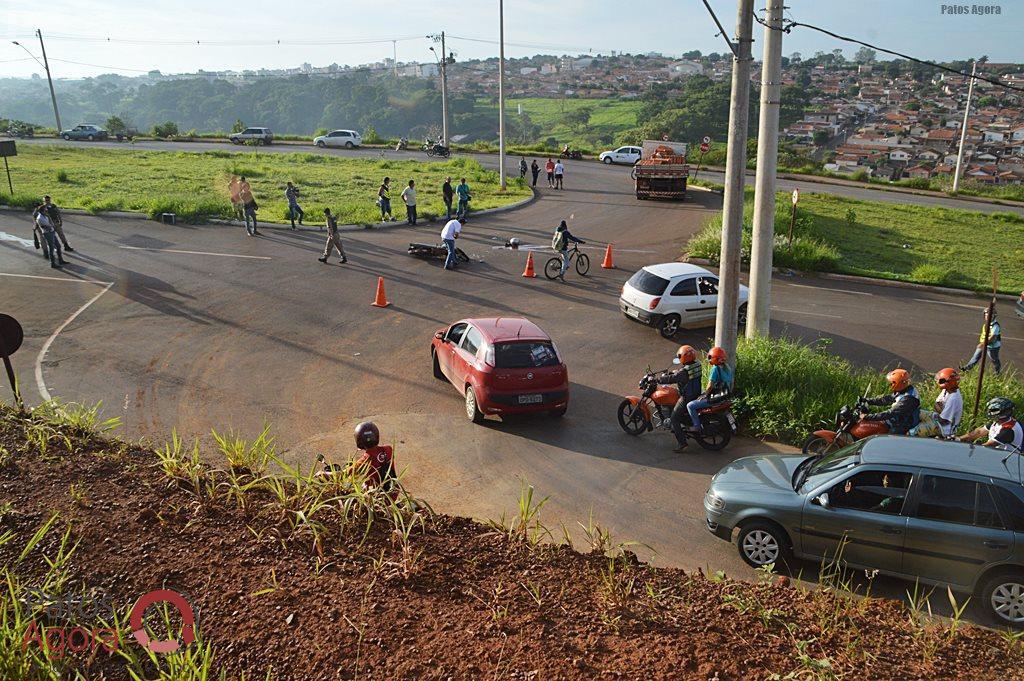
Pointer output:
x,y
821,500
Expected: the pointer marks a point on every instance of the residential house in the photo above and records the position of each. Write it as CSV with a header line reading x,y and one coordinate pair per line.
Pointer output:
x,y
918,172
900,156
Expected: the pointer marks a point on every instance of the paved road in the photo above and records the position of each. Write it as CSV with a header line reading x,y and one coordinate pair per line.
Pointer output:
x,y
491,161
200,327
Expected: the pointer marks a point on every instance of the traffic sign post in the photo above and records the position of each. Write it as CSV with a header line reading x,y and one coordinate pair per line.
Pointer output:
x,y
11,336
8,148
792,217
705,145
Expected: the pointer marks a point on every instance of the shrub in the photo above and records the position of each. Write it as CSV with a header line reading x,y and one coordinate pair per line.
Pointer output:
x,y
239,126
806,254
370,136
21,200
860,176
165,130
187,210
916,183
62,176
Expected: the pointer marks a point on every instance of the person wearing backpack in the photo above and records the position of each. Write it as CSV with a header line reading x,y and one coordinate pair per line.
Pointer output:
x,y
560,243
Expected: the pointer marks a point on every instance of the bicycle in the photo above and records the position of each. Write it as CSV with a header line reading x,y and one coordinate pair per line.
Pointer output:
x,y
554,266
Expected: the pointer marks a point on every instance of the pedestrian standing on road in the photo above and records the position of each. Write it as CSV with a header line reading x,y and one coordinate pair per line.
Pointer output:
x,y
449,234
50,236
384,200
535,169
38,240
464,198
58,222
559,172
549,168
522,167
333,240
292,194
234,190
448,194
249,206
409,199
995,342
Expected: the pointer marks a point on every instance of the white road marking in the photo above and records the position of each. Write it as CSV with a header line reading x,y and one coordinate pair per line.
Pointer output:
x,y
837,290
809,314
70,279
4,236
531,247
979,306
175,250
40,383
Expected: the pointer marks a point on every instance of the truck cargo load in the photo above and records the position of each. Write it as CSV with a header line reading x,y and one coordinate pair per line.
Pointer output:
x,y
661,172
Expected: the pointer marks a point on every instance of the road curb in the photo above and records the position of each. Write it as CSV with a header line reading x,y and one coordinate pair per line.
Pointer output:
x,y
891,283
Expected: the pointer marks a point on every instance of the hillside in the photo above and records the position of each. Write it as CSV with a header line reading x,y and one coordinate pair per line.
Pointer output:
x,y
295,575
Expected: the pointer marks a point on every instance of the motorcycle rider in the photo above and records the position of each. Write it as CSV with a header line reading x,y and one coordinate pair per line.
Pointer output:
x,y
949,405
1004,432
688,379
905,411
719,387
377,461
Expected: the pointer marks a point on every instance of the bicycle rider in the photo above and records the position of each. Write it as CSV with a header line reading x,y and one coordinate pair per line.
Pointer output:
x,y
560,243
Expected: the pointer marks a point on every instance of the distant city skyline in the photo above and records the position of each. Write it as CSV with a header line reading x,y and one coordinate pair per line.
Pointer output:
x,y
189,36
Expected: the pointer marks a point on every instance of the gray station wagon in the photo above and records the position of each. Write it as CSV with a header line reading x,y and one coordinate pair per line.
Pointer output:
x,y
942,513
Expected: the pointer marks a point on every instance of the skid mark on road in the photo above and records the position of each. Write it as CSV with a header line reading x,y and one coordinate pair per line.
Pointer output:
x,y
4,236
835,290
40,383
978,306
175,250
37,276
809,314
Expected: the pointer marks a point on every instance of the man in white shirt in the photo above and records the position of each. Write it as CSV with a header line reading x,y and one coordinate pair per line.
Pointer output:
x,y
449,234
1005,432
409,197
949,405
559,172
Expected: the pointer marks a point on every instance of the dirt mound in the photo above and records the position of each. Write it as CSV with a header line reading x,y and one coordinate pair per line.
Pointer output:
x,y
386,589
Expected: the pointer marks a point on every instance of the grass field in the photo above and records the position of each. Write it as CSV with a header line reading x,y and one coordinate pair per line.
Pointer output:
x,y
921,244
609,118
195,184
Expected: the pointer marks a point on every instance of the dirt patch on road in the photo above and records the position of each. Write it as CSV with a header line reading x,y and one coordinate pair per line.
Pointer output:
x,y
385,590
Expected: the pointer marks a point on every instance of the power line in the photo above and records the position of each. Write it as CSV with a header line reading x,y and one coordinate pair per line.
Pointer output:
x,y
264,42
725,36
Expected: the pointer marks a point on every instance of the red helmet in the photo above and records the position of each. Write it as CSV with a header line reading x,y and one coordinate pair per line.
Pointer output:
x,y
899,379
948,378
686,354
367,435
716,355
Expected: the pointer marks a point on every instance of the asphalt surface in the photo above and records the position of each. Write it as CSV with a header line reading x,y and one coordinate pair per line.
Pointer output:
x,y
200,327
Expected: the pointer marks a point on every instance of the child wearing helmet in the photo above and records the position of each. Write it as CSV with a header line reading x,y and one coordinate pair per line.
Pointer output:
x,y
687,378
904,402
1005,432
719,386
376,461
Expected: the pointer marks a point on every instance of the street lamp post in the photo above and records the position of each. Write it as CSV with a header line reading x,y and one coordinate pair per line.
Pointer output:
x,y
501,93
46,67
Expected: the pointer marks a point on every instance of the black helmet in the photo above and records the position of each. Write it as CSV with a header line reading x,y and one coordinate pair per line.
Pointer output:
x,y
367,435
999,408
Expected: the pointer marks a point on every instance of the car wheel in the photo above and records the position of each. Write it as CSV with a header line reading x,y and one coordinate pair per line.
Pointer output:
x,y
1002,596
233,140
348,145
261,142
763,543
472,410
321,144
438,374
669,325
607,160
741,317
559,413
67,138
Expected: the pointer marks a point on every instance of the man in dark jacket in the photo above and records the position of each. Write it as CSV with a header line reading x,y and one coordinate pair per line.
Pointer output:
x,y
448,194
905,404
688,379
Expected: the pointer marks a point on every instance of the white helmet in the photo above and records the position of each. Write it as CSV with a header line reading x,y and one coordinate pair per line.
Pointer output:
x,y
513,243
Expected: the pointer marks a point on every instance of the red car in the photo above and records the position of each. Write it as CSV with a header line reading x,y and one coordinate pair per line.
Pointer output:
x,y
503,365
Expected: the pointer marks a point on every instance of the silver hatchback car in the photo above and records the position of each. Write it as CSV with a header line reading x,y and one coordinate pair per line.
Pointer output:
x,y
942,513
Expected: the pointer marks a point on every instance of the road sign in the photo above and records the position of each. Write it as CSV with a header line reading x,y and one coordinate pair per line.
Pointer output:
x,y
8,148
704,146
796,196
11,336
706,140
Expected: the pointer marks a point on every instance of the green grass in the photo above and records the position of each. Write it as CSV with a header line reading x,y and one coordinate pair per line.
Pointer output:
x,y
194,184
610,117
921,244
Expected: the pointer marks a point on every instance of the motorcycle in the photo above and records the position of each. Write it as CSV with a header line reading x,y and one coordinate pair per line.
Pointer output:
x,y
653,409
575,154
402,145
850,427
436,149
436,251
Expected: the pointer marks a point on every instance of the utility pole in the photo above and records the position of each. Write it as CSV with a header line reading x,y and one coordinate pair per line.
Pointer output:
x,y
963,129
394,58
501,93
759,308
732,212
49,79
444,93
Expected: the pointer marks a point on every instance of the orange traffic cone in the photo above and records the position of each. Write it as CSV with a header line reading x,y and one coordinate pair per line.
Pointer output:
x,y
528,272
608,264
380,300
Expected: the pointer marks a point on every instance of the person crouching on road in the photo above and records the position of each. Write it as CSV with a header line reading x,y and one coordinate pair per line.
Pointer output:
x,y
294,209
905,403
409,199
376,461
949,405
560,243
719,388
1004,432
49,235
995,341
449,233
333,240
688,379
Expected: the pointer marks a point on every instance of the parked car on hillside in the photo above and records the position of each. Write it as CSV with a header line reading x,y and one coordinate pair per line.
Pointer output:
x,y
674,295
628,155
930,511
503,365
250,135
339,138
84,132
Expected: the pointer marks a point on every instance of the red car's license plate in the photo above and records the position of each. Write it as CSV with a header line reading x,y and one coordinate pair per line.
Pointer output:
x,y
531,399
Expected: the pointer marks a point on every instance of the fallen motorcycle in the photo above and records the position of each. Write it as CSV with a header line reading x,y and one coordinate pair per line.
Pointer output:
x,y
653,409
436,251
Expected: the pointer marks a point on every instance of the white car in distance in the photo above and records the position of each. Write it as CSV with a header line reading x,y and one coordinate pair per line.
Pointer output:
x,y
348,139
628,155
674,295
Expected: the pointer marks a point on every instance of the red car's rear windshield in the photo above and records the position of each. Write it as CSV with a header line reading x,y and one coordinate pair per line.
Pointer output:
x,y
524,355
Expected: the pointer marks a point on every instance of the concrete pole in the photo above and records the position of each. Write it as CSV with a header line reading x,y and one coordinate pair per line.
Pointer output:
x,y
49,79
444,93
732,213
963,129
759,308
501,93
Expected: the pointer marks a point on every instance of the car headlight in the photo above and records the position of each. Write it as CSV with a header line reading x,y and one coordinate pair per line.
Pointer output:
x,y
712,500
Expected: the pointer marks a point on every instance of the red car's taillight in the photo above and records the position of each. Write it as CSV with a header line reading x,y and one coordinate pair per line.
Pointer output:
x,y
654,303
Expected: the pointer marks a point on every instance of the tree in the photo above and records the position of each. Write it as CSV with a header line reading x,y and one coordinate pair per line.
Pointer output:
x,y
115,125
692,55
239,126
987,100
838,54
820,138
865,55
577,119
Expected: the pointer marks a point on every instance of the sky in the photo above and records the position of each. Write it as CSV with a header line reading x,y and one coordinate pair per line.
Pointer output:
x,y
91,37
